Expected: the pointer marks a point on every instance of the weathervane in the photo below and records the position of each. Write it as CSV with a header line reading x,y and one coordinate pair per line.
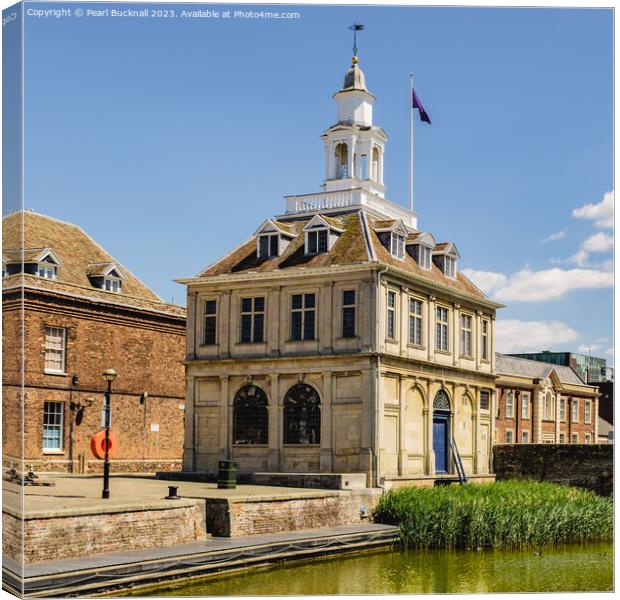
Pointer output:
x,y
355,28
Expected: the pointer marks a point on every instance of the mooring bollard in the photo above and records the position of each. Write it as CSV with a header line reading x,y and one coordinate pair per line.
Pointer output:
x,y
172,493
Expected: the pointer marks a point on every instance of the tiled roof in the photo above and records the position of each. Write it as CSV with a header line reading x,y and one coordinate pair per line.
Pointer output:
x,y
350,248
77,251
461,283
15,255
533,369
100,269
384,223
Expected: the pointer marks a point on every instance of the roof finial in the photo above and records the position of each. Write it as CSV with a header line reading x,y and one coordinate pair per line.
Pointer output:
x,y
355,28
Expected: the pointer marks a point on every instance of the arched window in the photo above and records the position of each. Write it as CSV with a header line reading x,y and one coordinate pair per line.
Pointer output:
x,y
302,415
250,416
441,402
342,161
548,407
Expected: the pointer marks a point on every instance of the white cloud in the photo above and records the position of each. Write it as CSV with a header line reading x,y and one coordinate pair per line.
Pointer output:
x,y
527,285
513,335
602,213
554,237
580,258
610,351
599,242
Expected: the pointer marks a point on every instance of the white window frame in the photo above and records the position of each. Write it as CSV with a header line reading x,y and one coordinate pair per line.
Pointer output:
x,y
348,306
425,256
390,312
466,325
52,348
562,409
449,266
316,232
442,329
46,271
510,404
574,411
416,323
562,438
111,284
525,437
574,438
397,245
488,400
587,411
525,405
215,316
587,439
548,412
509,433
59,411
269,237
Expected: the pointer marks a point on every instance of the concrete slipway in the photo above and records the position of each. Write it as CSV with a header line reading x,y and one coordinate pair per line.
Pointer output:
x,y
102,573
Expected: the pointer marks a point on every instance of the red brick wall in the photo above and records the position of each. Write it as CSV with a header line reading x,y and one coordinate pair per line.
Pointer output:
x,y
147,354
517,424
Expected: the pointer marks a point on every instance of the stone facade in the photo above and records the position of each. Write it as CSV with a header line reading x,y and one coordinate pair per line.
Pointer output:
x,y
142,339
397,353
589,466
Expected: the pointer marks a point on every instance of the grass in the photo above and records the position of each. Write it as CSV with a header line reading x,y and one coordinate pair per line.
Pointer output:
x,y
507,514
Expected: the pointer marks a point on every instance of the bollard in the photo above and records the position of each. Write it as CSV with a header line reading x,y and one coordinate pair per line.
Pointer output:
x,y
172,493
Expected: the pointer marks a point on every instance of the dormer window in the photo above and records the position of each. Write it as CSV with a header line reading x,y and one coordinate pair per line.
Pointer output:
x,y
106,276
268,245
398,246
450,267
321,234
40,262
111,284
425,257
445,256
272,238
392,234
317,241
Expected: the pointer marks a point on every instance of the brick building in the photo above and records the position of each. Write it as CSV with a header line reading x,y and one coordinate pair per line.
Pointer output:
x,y
543,403
77,312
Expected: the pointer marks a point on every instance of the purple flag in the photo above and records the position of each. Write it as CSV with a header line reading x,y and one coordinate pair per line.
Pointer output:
x,y
417,104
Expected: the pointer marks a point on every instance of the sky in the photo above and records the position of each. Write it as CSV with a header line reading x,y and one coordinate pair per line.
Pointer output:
x,y
170,139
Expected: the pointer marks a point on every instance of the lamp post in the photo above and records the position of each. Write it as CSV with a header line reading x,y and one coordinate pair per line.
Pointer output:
x,y
109,375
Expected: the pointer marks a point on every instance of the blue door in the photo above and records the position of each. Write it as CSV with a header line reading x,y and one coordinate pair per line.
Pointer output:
x,y
440,443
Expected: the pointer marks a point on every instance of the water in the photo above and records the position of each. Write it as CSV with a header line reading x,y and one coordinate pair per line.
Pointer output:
x,y
564,569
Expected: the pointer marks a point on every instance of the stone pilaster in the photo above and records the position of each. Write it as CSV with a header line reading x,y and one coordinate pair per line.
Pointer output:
x,y
326,425
226,410
403,452
275,424
189,443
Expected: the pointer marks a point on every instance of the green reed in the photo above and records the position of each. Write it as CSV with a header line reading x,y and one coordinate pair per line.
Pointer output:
x,y
507,514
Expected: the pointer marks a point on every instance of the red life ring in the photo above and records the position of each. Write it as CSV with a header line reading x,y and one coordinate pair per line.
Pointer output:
x,y
97,445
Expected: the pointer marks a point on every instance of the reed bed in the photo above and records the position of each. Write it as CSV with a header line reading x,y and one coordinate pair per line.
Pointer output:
x,y
507,514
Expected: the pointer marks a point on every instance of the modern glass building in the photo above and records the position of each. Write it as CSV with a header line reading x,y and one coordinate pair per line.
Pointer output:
x,y
590,368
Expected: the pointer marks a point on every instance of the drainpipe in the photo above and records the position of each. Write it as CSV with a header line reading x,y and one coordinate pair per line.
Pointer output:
x,y
517,415
375,380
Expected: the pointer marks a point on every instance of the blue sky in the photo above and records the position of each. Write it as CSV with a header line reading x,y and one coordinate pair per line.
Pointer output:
x,y
169,140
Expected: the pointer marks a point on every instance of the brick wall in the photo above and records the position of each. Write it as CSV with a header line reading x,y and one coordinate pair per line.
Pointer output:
x,y
252,517
83,535
146,350
589,466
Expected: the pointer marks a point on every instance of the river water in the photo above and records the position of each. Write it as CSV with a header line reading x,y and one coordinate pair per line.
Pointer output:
x,y
564,569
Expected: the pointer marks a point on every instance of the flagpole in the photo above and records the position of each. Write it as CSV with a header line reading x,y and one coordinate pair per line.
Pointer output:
x,y
411,142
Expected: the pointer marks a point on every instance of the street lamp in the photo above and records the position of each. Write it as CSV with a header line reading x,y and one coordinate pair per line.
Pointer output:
x,y
109,375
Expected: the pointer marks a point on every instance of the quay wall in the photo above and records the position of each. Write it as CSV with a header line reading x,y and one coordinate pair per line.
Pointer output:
x,y
235,518
52,537
584,465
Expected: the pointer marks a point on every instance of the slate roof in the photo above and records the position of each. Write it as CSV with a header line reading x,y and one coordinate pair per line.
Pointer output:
x,y
77,251
350,248
533,369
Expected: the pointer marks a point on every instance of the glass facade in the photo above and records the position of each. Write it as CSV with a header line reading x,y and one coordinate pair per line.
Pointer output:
x,y
590,368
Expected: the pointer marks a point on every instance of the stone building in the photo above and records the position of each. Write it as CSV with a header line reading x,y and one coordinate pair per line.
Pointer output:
x,y
541,403
77,312
341,337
